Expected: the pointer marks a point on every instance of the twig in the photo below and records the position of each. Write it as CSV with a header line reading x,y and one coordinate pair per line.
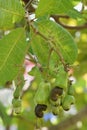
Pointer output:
x,y
8,127
57,19
83,6
60,16
67,123
50,52
32,59
28,4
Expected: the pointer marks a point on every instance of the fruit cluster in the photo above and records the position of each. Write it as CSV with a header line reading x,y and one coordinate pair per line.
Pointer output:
x,y
52,96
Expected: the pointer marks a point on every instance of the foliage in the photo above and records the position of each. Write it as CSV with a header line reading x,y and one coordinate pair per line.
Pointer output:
x,y
48,42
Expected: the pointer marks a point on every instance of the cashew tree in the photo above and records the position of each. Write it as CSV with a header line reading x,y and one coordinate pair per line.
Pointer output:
x,y
42,63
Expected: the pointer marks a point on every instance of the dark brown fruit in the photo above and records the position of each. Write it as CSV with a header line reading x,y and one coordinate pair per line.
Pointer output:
x,y
55,92
39,110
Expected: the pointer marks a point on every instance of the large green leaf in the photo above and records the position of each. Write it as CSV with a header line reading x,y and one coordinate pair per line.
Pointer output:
x,y
10,12
12,51
42,50
58,38
48,7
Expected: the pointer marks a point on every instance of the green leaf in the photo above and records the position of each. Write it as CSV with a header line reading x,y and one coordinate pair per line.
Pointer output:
x,y
11,11
59,39
42,51
40,48
12,51
49,7
6,119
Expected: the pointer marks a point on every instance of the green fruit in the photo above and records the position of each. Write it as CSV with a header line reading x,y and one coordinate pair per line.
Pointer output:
x,y
66,107
16,103
61,78
55,110
17,92
39,110
71,90
42,94
67,102
17,110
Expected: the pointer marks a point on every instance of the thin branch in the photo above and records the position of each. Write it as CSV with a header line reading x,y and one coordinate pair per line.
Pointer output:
x,y
31,58
28,4
70,122
83,6
8,127
57,19
50,52
34,60
60,16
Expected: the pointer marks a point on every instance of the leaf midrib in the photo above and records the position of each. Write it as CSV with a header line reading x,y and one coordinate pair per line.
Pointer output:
x,y
10,52
10,11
